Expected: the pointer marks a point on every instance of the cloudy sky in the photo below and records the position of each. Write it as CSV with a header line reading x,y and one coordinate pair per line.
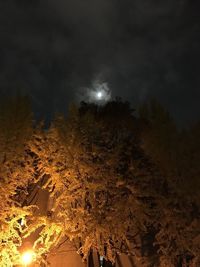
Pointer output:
x,y
53,49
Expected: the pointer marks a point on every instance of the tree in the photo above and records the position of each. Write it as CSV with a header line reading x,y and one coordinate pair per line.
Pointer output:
x,y
112,191
18,172
98,177
176,154
117,184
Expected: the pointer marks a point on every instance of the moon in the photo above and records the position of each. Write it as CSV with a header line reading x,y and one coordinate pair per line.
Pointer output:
x,y
99,95
100,92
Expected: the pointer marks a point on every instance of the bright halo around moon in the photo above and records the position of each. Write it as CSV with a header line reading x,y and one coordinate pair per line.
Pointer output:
x,y
99,93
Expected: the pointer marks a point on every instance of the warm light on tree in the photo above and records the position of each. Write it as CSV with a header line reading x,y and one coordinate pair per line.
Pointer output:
x,y
117,184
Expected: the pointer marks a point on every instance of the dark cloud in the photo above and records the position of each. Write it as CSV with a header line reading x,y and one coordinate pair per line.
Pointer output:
x,y
51,49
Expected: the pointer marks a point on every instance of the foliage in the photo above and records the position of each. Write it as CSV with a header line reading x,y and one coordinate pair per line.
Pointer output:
x,y
16,165
117,183
95,177
10,235
176,154
18,170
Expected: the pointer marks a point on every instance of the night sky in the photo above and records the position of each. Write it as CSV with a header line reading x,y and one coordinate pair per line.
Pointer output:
x,y
53,49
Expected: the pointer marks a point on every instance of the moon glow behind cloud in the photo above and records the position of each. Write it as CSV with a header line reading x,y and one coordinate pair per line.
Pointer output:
x,y
98,93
